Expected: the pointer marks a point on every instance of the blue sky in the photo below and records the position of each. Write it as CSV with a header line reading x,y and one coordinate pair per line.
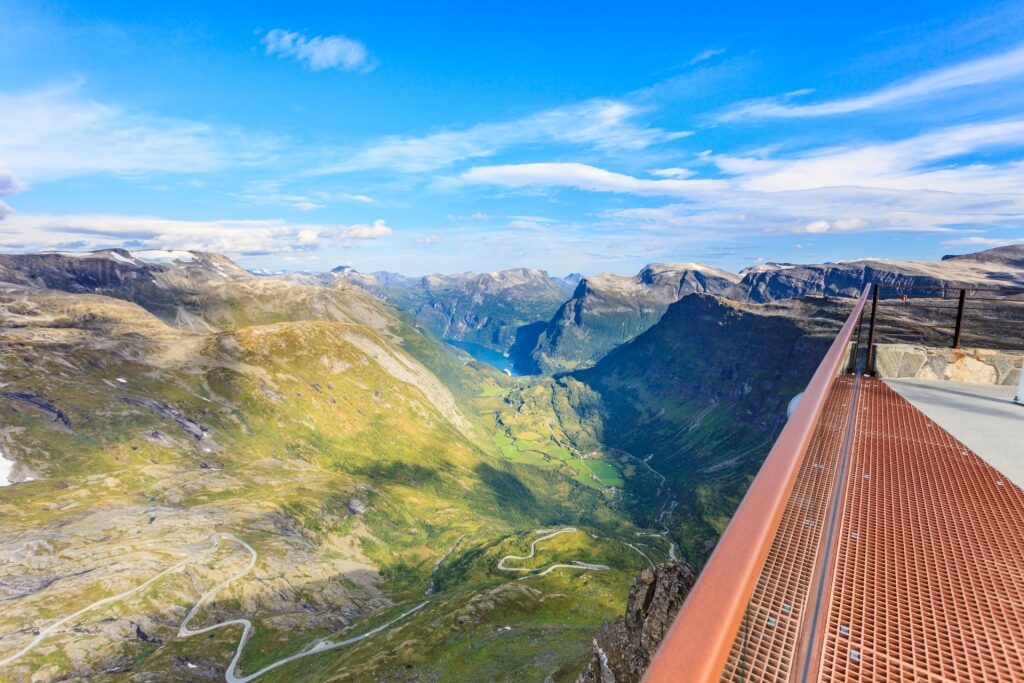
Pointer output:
x,y
438,138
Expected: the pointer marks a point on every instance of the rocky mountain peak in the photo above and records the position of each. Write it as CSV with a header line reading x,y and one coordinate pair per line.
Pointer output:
x,y
623,649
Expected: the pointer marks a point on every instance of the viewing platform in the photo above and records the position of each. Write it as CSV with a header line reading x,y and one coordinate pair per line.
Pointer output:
x,y
882,540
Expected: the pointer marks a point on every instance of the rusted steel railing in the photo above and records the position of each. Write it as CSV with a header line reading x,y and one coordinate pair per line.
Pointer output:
x,y
994,313
696,647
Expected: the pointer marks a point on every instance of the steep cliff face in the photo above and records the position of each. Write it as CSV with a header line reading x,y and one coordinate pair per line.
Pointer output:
x,y
700,397
607,310
623,649
1003,266
481,308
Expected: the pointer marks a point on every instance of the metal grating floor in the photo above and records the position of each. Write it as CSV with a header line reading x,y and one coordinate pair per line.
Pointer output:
x,y
766,643
928,583
926,579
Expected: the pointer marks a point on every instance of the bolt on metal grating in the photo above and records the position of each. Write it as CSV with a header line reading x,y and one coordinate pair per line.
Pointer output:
x,y
765,645
928,581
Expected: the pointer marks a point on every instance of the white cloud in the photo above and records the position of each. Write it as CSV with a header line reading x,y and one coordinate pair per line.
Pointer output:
x,y
318,52
429,240
984,241
841,225
361,198
368,232
39,231
995,68
598,124
308,236
672,172
57,132
582,177
8,185
705,55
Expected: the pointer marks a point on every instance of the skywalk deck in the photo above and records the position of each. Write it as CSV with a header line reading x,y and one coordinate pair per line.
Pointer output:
x,y
922,577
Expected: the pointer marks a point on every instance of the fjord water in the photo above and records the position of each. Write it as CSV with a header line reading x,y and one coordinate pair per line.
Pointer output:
x,y
486,355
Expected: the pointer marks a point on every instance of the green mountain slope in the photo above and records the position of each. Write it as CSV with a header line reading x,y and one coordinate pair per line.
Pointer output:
x,y
316,430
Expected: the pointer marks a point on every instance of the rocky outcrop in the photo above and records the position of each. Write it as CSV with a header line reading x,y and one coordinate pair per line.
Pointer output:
x,y
192,290
623,649
607,310
1000,267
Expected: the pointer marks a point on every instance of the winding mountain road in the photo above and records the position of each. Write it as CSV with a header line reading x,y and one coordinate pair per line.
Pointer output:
x,y
321,646
184,631
537,571
71,617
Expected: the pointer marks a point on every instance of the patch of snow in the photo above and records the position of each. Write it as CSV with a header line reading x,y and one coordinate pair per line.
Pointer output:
x,y
164,256
121,259
5,469
191,665
122,380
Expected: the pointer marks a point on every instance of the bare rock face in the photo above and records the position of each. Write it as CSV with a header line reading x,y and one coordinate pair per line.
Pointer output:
x,y
624,648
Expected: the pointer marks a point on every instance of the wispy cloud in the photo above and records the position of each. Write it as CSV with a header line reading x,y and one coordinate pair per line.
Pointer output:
x,y
674,172
319,52
583,177
349,197
245,237
995,68
58,132
596,124
914,163
706,54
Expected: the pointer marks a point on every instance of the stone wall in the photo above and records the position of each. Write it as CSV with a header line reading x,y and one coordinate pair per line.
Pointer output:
x,y
977,366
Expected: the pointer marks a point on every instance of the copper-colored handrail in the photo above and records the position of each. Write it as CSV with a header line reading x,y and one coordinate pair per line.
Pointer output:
x,y
697,645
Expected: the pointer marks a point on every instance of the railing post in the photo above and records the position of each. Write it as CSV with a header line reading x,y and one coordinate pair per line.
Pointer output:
x,y
959,319
871,331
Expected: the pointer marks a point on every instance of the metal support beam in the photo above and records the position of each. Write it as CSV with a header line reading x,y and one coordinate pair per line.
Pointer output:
x,y
871,331
959,319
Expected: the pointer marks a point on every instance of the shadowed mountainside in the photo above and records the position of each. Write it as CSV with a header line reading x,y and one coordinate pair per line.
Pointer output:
x,y
701,396
607,310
